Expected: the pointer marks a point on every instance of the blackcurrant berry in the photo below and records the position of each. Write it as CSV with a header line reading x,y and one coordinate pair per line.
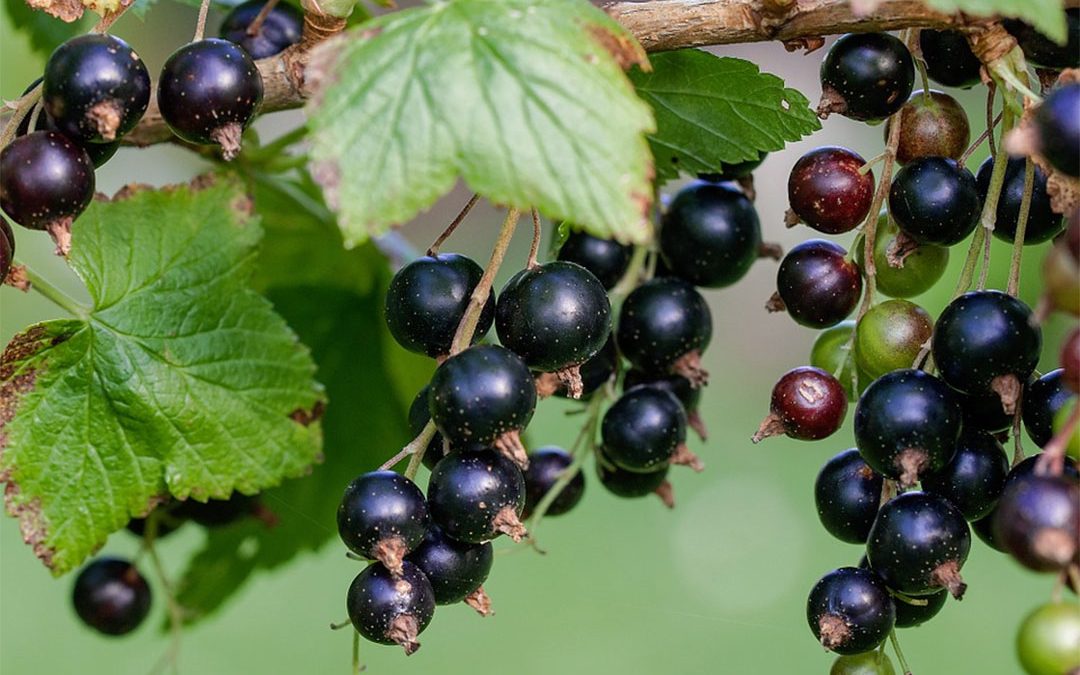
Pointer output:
x,y
850,611
607,259
1044,52
632,484
382,516
949,59
645,430
111,596
427,298
485,395
847,492
546,466
905,268
556,317
890,336
1037,521
99,152
912,614
455,569
975,477
280,28
984,527
1048,642
807,404
732,172
1070,357
476,496
96,88
935,201
1043,398
1042,224
664,327
984,412
828,191
906,425
868,663
391,608
918,544
932,124
986,341
817,284
710,235
7,248
220,512
1057,121
866,76
46,181
677,385
831,352
208,92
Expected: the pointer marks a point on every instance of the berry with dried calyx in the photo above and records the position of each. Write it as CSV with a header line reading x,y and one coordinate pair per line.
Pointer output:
x,y
390,608
817,284
475,496
1043,224
607,259
935,201
866,76
455,569
382,516
664,327
547,466
829,190
850,611
645,430
808,404
949,59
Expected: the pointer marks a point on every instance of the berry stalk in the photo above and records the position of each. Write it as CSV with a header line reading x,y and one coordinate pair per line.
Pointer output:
x,y
433,250
1021,229
54,294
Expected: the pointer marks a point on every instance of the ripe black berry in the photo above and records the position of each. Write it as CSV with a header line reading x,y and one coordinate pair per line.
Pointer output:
x,y
1037,521
985,341
918,544
984,412
476,496
1042,224
906,425
677,385
632,484
866,76
664,327
455,569
933,125
984,527
910,614
280,29
382,516
645,430
935,201
807,403
949,59
847,492
1058,123
483,396
817,284
1043,398
46,181
111,596
555,317
607,259
391,608
850,610
975,477
827,191
427,298
546,466
208,93
710,235
7,248
99,153
1041,50
96,88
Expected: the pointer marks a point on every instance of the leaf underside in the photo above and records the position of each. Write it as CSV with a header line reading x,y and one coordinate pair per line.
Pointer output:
x,y
1047,16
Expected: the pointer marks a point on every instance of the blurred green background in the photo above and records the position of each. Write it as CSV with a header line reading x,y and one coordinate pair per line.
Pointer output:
x,y
718,585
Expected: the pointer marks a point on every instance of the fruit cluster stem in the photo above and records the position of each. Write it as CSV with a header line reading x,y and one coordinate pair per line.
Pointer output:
x,y
176,612
433,250
1013,287
200,23
54,294
899,652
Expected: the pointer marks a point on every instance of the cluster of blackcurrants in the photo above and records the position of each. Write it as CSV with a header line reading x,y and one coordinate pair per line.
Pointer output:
x,y
942,433
95,89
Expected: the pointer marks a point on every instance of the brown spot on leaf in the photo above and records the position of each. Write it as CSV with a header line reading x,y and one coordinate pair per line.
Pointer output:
x,y
65,10
624,49
306,417
129,191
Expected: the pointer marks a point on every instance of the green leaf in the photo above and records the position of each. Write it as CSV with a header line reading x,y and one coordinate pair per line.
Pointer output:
x,y
712,111
181,380
524,100
46,32
334,299
1048,16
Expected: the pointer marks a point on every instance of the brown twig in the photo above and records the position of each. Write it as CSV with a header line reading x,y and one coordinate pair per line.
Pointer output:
x,y
433,250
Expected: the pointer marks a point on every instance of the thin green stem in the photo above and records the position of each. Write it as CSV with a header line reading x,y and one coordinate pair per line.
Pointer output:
x,y
356,667
1021,229
416,449
58,297
176,612
23,106
534,248
274,147
631,278
899,652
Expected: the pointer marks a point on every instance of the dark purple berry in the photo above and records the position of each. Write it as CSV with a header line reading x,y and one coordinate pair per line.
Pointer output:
x,y
677,385
427,298
911,614
710,235
1057,121
382,516
850,611
1044,52
828,191
631,484
645,430
935,201
607,259
391,608
1042,223
807,404
664,327
1037,521
975,477
99,153
476,496
1043,398
208,92
817,284
7,248
907,423
949,59
866,76
984,527
111,596
546,466
455,569
918,545
847,493
280,29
